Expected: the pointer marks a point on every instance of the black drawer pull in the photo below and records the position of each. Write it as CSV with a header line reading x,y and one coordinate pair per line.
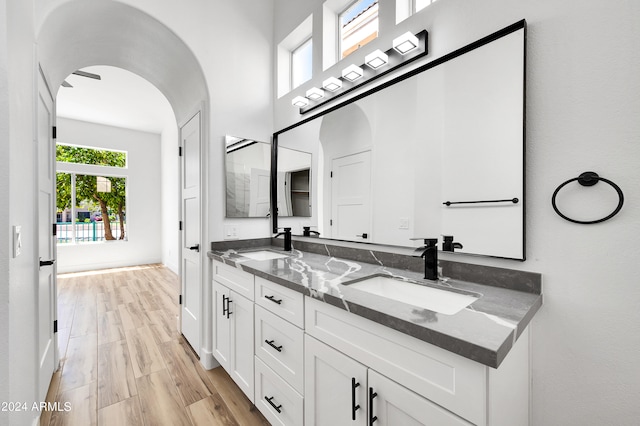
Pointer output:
x,y
354,407
277,408
273,299
224,305
229,310
270,343
372,418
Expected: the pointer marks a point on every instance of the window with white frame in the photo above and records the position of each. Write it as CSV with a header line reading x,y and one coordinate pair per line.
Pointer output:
x,y
91,194
406,8
358,25
301,63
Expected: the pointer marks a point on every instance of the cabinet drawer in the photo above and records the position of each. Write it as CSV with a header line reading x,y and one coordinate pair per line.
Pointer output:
x,y
282,301
285,353
454,382
275,399
237,280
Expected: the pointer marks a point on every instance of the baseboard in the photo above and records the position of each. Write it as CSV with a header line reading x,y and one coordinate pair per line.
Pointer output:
x,y
208,361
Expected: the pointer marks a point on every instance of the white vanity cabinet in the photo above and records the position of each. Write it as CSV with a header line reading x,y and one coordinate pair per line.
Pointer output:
x,y
233,329
414,382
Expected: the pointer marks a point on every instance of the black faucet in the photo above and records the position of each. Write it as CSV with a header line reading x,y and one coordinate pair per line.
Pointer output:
x,y
287,238
449,245
430,253
306,231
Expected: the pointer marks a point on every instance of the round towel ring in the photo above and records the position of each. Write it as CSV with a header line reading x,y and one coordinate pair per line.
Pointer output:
x,y
588,179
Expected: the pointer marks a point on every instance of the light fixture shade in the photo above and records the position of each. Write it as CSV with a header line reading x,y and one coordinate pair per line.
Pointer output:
x,y
352,72
332,84
405,43
314,93
376,59
299,101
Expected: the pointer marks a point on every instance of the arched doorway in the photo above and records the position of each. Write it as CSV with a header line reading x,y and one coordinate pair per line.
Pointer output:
x,y
79,34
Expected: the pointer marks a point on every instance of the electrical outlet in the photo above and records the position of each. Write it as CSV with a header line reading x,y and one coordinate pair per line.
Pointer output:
x,y
17,240
230,232
404,223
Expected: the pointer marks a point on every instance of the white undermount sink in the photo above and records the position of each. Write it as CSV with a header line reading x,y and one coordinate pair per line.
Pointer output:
x,y
263,255
433,299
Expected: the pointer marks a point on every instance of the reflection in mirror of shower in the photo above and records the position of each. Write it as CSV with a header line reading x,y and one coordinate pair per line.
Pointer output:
x,y
247,164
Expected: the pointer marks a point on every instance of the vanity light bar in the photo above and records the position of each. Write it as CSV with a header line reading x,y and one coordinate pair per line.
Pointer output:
x,y
352,72
413,46
376,59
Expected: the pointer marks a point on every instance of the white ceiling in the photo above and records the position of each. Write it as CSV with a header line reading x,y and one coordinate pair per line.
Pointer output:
x,y
121,98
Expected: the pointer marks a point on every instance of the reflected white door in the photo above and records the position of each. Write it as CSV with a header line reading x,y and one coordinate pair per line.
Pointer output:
x,y
259,193
47,343
190,269
351,197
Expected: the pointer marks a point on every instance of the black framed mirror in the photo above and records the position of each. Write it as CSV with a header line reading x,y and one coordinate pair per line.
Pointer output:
x,y
437,151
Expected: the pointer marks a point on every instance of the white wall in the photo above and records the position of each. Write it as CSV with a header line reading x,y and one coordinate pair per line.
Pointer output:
x,y
5,224
144,208
170,202
583,106
21,203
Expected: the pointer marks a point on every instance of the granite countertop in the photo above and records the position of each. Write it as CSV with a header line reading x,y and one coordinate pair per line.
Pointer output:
x,y
484,331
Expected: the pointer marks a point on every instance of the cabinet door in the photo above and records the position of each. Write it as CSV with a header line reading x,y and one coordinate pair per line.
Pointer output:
x,y
335,387
392,404
240,312
221,336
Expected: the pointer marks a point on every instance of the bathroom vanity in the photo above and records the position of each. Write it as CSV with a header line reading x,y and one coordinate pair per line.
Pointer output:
x,y
333,335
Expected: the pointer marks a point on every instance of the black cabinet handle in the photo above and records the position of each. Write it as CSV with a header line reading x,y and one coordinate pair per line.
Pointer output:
x,y
354,407
372,418
47,262
196,248
277,408
228,309
273,299
224,305
270,343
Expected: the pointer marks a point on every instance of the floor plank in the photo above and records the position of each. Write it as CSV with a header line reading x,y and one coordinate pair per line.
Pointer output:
x,y
80,362
184,373
124,413
160,402
211,411
110,328
145,356
116,381
77,407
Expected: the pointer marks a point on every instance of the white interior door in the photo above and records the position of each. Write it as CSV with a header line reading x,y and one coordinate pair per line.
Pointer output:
x,y
190,269
351,197
47,343
259,193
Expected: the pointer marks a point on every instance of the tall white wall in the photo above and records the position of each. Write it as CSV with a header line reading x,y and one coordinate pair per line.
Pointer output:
x,y
583,64
21,203
144,208
5,224
170,203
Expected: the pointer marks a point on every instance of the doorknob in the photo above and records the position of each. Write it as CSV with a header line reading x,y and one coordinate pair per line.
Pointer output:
x,y
47,262
363,236
196,248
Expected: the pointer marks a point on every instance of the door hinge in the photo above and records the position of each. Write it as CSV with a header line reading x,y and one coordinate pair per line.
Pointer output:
x,y
54,228
180,301
330,222
54,132
331,174
180,226
55,326
179,151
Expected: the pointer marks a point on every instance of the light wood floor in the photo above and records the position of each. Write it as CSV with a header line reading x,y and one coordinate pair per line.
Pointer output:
x,y
124,363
